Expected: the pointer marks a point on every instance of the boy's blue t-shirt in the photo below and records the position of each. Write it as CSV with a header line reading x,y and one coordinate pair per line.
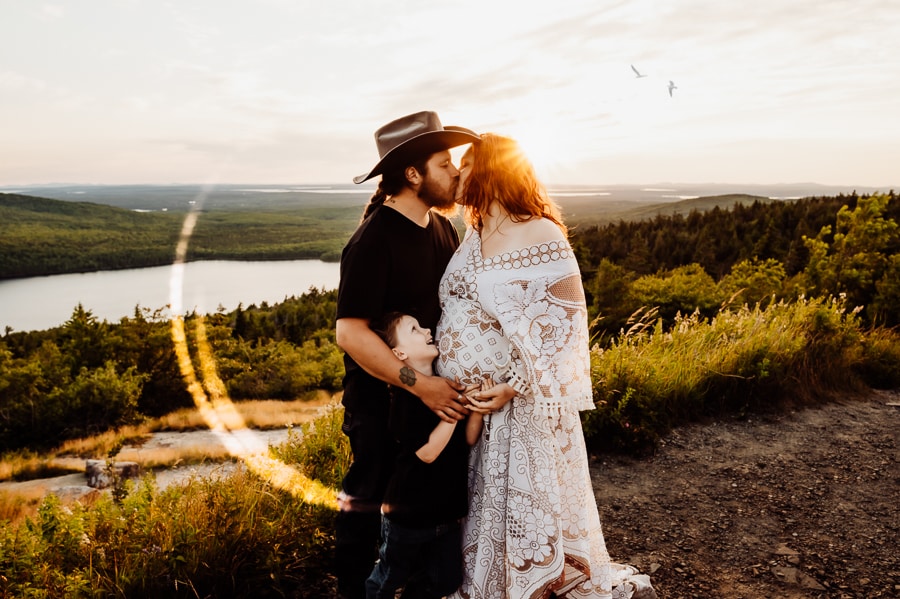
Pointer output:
x,y
421,494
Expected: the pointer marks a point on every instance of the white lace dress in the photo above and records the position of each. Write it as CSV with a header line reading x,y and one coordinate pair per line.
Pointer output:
x,y
533,525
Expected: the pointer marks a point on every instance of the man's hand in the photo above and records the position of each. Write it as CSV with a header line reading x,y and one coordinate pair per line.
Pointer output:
x,y
443,397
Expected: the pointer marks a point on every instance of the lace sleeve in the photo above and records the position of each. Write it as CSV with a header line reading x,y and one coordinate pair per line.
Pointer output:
x,y
545,319
513,374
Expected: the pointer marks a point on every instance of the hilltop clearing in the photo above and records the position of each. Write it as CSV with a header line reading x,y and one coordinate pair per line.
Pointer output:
x,y
798,505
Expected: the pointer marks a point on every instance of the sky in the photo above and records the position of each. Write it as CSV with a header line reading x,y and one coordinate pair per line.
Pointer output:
x,y
291,91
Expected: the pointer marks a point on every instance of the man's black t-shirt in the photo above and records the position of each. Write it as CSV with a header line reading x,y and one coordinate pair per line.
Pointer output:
x,y
420,494
390,264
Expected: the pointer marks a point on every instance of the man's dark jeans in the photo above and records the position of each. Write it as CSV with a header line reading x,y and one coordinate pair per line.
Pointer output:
x,y
358,524
356,549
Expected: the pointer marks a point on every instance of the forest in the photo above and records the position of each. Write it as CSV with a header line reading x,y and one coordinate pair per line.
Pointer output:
x,y
844,245
87,375
134,227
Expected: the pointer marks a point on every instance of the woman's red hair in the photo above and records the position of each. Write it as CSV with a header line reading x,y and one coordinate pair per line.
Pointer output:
x,y
501,172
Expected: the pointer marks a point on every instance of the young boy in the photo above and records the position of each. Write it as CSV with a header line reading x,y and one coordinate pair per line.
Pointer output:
x,y
427,495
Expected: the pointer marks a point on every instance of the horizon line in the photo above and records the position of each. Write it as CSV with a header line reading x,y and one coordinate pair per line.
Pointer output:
x,y
368,185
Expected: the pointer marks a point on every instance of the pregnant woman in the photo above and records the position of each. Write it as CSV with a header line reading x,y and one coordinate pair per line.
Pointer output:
x,y
513,309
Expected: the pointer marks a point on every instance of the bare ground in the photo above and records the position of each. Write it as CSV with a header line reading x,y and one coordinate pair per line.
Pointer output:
x,y
804,504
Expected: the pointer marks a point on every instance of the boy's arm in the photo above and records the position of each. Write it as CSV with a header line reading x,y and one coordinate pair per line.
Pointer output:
x,y
437,441
473,427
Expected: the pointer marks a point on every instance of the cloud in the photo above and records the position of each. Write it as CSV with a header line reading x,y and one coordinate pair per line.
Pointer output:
x,y
14,81
200,35
461,89
285,85
53,11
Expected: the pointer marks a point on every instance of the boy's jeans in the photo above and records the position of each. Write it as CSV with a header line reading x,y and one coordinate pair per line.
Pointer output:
x,y
428,561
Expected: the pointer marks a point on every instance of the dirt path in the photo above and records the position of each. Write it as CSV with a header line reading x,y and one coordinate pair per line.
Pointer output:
x,y
802,505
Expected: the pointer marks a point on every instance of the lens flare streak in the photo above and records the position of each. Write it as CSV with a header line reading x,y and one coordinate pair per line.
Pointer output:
x,y
211,396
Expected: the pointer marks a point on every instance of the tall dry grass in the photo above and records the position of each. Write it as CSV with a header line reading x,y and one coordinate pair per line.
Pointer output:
x,y
651,379
259,414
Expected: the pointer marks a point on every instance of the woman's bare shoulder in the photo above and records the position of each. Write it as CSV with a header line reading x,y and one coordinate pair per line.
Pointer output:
x,y
538,230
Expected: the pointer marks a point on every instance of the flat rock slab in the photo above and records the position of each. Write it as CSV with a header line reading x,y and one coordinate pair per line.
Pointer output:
x,y
102,474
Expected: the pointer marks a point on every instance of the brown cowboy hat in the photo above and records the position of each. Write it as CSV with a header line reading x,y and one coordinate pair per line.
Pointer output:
x,y
414,136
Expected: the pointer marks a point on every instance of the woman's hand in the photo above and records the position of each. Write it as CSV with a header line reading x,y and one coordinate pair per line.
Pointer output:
x,y
491,397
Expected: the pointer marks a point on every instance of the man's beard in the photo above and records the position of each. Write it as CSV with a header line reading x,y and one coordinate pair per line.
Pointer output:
x,y
436,197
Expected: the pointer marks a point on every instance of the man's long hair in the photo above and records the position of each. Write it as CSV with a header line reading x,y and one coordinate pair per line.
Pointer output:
x,y
501,172
393,180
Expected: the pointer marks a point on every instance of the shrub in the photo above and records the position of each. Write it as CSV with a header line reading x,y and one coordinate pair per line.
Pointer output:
x,y
320,450
278,369
686,288
880,364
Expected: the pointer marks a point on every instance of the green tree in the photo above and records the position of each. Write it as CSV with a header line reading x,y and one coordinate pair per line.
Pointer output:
x,y
885,308
753,281
609,292
144,341
683,289
96,400
857,256
25,416
85,339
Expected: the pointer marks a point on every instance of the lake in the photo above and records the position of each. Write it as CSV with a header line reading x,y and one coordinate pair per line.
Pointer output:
x,y
39,303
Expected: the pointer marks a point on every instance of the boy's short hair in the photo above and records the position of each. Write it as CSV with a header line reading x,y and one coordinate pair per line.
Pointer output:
x,y
386,327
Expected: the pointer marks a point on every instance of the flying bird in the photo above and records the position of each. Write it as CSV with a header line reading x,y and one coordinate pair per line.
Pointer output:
x,y
671,87
637,73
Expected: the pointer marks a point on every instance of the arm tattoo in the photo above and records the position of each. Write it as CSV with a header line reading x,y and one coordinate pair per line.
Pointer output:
x,y
407,376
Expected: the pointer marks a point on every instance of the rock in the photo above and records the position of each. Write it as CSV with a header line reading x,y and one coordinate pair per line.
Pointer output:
x,y
796,577
783,549
100,475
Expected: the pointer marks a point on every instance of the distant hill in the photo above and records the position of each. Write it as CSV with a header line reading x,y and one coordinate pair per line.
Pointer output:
x,y
684,207
39,210
42,236
580,200
138,226
182,198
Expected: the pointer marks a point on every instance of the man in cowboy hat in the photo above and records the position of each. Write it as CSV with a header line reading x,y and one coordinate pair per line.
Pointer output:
x,y
392,263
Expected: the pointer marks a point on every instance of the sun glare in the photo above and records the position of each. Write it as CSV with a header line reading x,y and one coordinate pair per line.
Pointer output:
x,y
543,144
